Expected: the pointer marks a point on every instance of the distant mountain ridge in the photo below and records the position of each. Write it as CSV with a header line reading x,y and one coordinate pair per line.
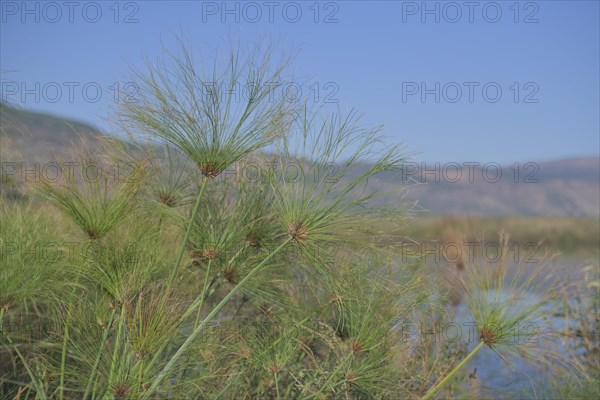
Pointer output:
x,y
39,137
567,187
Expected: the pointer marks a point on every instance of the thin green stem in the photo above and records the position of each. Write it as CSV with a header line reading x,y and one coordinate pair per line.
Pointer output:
x,y
287,394
277,386
202,297
339,367
204,289
113,362
140,367
159,227
63,357
441,383
187,232
171,364
210,285
1,321
97,362
39,387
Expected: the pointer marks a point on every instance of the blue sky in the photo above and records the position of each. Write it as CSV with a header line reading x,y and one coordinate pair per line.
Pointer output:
x,y
428,71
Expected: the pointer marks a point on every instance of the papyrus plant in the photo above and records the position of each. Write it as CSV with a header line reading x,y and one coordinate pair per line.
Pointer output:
x,y
508,305
95,201
311,213
216,114
326,201
23,233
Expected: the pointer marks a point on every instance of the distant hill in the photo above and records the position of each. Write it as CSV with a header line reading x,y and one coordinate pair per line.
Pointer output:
x,y
569,187
37,137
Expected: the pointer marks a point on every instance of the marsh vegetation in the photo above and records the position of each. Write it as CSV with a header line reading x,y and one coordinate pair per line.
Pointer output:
x,y
178,277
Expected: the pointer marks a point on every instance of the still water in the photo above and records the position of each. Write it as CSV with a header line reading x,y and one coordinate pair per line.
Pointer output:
x,y
498,377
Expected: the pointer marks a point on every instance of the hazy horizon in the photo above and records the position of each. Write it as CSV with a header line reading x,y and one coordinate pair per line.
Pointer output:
x,y
491,83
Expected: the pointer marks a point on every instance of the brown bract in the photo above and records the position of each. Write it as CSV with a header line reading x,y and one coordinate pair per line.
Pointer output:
x,y
356,347
91,233
231,275
167,199
253,240
488,336
351,378
210,253
209,170
121,391
274,369
297,230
